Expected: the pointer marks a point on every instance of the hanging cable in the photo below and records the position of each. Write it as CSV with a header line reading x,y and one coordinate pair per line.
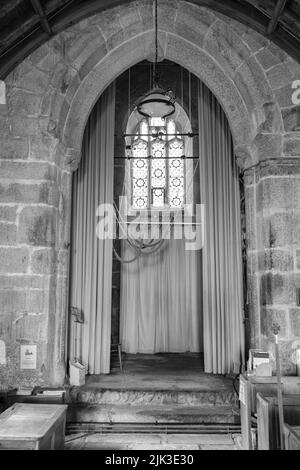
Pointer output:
x,y
125,261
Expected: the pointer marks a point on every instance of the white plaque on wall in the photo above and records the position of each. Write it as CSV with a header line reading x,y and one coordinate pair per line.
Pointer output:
x,y
28,356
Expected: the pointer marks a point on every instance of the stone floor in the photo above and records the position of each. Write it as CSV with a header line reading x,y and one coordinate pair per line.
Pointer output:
x,y
160,372
151,442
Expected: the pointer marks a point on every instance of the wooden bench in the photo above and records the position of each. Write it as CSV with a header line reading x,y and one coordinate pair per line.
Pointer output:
x,y
266,386
26,426
292,437
268,433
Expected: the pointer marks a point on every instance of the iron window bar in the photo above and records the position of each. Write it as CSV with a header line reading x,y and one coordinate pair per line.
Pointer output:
x,y
160,134
150,157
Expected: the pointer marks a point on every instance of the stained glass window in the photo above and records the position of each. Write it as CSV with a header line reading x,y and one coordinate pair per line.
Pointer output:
x,y
157,166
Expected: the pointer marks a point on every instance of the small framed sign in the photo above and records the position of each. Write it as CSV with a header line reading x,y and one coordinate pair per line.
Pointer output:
x,y
28,356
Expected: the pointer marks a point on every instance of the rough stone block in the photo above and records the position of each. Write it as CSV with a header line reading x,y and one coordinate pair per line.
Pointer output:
x,y
89,64
279,167
24,282
24,103
64,110
269,316
277,260
291,119
199,22
47,102
47,57
267,59
280,75
278,193
8,232
220,84
255,41
146,13
291,146
23,126
281,229
110,27
43,261
42,148
269,118
284,96
28,77
63,262
73,87
267,146
8,213
131,22
252,83
297,259
4,125
27,170
13,147
37,226
40,301
295,321
277,289
225,45
14,260
12,301
45,193
31,328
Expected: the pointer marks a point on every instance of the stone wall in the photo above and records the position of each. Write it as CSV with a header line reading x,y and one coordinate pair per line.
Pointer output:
x,y
49,97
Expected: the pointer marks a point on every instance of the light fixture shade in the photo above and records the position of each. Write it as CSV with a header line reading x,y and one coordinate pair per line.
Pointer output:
x,y
157,103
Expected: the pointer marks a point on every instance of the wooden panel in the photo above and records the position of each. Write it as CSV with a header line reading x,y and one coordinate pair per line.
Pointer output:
x,y
292,437
42,424
18,445
245,412
267,419
266,386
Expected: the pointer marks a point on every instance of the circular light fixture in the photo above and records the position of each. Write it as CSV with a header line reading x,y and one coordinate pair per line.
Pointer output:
x,y
157,103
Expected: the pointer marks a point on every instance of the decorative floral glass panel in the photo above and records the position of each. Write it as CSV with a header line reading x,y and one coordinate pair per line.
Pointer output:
x,y
157,166
140,170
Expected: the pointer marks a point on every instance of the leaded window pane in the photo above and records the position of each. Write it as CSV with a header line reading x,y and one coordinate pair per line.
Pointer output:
x,y
160,180
140,174
158,197
144,130
171,129
176,173
158,164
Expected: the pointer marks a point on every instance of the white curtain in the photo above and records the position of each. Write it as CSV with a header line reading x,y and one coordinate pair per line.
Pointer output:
x,y
91,258
222,263
160,301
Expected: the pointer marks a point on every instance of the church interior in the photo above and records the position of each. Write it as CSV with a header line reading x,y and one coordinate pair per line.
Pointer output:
x,y
149,225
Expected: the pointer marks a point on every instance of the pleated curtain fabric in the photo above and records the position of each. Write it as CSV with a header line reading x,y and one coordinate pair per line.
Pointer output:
x,y
161,301
222,264
91,258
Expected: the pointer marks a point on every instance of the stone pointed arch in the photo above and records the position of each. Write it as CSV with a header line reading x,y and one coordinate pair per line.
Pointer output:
x,y
178,50
49,98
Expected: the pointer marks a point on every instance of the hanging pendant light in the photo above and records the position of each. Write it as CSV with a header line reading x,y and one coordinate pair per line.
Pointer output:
x,y
158,102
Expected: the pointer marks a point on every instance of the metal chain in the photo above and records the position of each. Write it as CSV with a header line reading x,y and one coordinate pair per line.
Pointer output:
x,y
154,78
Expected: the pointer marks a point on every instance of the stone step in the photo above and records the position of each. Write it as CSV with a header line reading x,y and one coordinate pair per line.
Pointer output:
x,y
138,441
98,396
158,414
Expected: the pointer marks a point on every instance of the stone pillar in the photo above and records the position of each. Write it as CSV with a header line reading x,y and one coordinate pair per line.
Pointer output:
x,y
30,195
272,191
